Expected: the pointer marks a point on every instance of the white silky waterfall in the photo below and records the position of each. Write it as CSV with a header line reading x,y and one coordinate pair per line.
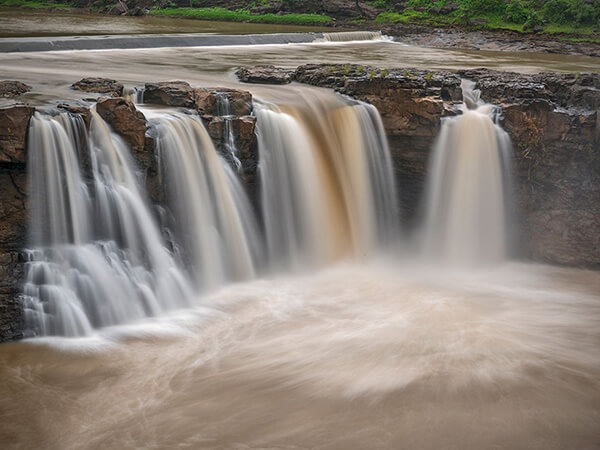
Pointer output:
x,y
467,213
98,256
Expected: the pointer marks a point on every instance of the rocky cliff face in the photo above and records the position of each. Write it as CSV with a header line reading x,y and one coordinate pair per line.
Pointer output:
x,y
553,121
14,121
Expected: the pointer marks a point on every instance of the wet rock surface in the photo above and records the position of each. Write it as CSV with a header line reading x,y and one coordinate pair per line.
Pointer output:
x,y
100,86
11,88
264,74
14,121
170,93
125,119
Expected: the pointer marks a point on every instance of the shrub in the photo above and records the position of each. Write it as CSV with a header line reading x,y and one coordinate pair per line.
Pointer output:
x,y
484,6
516,12
571,11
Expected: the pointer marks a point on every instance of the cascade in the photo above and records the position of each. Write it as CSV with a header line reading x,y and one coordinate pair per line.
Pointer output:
x,y
348,36
466,200
213,223
98,256
224,111
328,189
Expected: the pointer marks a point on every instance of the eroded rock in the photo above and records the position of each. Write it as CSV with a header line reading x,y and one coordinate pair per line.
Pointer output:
x,y
125,119
265,74
14,121
170,93
99,85
12,88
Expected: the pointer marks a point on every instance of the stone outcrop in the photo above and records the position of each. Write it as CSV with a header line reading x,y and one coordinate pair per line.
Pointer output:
x,y
11,88
14,121
125,119
170,93
265,74
100,86
207,101
243,128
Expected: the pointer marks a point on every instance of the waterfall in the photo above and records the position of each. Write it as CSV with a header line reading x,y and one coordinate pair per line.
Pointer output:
x,y
101,255
466,194
212,219
98,256
328,189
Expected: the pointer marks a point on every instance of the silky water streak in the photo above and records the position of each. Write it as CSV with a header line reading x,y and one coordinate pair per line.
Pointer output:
x,y
98,257
468,189
328,188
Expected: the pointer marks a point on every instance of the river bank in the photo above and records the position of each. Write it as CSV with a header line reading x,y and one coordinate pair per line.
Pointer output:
x,y
172,21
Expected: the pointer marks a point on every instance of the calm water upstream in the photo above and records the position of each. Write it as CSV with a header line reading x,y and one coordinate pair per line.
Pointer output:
x,y
378,353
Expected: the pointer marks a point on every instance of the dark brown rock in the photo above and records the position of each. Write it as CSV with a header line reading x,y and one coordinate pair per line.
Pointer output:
x,y
74,108
99,85
13,228
10,88
243,128
125,119
205,102
265,74
14,121
170,93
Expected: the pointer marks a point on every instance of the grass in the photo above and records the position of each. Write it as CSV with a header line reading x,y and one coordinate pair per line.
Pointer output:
x,y
242,16
572,32
32,4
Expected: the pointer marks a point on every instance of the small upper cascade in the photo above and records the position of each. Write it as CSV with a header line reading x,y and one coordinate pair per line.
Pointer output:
x,y
224,111
350,36
327,185
98,256
468,189
213,223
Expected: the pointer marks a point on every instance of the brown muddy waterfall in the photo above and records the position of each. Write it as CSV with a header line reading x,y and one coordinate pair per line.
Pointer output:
x,y
299,315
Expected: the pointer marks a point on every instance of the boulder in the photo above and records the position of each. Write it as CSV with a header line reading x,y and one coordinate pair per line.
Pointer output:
x,y
265,74
170,93
11,88
14,121
99,85
205,102
125,119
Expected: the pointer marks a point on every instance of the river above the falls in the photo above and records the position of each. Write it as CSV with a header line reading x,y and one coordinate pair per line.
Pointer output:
x,y
51,73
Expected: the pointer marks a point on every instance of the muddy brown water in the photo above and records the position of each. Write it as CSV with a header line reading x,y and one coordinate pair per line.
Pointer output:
x,y
373,355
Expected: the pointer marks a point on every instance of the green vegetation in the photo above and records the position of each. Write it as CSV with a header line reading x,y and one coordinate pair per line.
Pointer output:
x,y
242,15
574,17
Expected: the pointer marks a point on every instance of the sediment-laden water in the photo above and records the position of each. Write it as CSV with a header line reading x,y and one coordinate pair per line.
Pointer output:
x,y
304,322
